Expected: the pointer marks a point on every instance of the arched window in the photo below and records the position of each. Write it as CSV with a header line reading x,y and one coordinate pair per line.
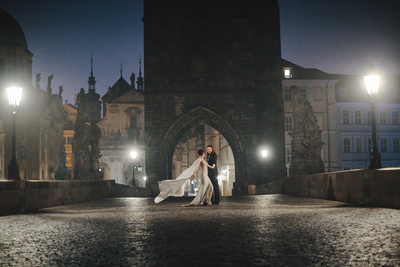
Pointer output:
x,y
134,122
133,119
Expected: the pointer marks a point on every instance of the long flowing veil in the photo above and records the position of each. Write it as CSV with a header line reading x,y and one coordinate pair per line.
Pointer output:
x,y
176,188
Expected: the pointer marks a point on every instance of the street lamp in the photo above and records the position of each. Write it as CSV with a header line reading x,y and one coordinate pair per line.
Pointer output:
x,y
264,156
264,153
14,98
372,84
134,154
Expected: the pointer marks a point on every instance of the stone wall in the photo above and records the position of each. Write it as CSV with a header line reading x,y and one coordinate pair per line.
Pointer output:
x,y
23,196
375,187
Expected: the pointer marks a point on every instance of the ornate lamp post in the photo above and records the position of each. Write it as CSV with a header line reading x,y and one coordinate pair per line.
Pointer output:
x,y
372,84
14,98
134,154
264,156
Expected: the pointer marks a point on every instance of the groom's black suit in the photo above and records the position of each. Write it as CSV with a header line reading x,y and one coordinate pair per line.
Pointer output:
x,y
212,174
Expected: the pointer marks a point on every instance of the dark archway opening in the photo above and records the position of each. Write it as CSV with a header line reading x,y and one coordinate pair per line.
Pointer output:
x,y
185,153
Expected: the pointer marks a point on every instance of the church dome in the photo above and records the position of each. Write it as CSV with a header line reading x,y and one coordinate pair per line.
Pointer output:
x,y
11,32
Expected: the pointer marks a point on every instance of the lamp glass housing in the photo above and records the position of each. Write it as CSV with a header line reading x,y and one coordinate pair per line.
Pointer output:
x,y
134,154
14,95
372,83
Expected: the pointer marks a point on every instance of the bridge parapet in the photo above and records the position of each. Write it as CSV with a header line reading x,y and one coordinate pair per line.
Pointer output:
x,y
379,187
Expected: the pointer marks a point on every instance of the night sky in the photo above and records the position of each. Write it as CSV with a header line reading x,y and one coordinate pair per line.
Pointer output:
x,y
336,36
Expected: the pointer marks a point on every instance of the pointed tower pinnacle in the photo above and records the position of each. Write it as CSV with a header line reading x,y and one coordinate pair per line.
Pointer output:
x,y
120,69
140,80
92,80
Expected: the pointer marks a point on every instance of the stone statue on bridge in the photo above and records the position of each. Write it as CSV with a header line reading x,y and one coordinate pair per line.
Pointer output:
x,y
49,80
85,142
306,137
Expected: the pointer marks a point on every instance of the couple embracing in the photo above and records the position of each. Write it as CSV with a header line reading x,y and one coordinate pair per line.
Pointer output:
x,y
205,168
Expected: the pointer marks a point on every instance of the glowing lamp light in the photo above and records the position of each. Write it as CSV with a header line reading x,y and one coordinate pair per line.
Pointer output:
x,y
134,154
372,83
264,153
14,95
144,178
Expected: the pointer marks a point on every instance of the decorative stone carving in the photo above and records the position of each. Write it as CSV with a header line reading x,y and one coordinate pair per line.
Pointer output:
x,y
306,137
38,80
49,79
60,90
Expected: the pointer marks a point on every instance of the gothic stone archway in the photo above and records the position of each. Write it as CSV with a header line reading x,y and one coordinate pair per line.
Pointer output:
x,y
194,117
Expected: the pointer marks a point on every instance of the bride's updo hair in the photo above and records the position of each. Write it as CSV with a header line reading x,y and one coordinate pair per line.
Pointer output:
x,y
200,152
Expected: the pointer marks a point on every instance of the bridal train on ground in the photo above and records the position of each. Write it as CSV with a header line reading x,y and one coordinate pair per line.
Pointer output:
x,y
177,187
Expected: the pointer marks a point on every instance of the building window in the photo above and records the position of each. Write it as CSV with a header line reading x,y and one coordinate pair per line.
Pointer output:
x,y
288,124
346,117
383,145
346,145
68,140
357,117
382,117
358,142
287,73
396,146
288,155
395,118
368,117
287,94
132,120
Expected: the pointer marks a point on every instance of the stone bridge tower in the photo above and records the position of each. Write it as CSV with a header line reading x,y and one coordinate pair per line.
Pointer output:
x,y
215,62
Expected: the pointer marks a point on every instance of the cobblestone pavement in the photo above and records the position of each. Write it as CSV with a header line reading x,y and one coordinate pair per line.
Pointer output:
x,y
241,231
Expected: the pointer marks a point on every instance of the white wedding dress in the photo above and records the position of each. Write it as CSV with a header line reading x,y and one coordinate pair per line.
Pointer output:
x,y
177,187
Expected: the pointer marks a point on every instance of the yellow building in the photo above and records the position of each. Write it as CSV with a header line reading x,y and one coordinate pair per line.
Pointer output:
x,y
69,133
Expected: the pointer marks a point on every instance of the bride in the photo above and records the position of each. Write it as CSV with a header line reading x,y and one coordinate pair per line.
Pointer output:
x,y
177,187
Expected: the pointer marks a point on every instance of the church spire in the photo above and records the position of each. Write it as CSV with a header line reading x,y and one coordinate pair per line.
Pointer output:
x,y
120,69
92,80
140,80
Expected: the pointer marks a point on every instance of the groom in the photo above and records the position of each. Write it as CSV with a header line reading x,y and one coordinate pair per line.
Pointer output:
x,y
213,173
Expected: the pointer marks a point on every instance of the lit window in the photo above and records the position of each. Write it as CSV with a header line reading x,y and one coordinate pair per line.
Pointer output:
x,y
287,73
346,145
346,117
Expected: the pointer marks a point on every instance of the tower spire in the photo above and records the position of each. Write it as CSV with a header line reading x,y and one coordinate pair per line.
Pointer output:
x,y
140,66
120,69
92,80
91,64
140,80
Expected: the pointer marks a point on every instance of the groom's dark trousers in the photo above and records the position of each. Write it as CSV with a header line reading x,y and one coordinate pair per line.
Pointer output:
x,y
213,174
